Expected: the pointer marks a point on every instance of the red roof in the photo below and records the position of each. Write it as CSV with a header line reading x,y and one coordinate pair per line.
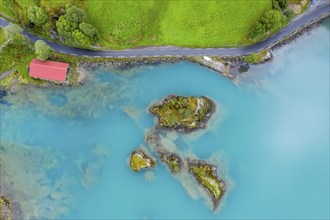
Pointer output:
x,y
50,70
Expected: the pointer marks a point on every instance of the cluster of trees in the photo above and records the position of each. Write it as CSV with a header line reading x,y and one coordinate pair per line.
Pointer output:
x,y
273,19
71,27
14,34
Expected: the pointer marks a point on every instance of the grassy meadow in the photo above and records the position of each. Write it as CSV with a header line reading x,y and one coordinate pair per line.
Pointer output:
x,y
181,23
127,23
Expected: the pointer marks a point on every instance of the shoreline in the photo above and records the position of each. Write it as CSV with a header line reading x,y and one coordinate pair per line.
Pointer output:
x,y
231,62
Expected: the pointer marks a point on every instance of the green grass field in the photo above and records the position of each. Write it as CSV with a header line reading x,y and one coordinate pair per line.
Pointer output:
x,y
182,23
127,23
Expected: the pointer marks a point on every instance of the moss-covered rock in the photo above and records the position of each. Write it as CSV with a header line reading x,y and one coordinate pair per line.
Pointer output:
x,y
5,208
206,176
183,114
141,159
172,160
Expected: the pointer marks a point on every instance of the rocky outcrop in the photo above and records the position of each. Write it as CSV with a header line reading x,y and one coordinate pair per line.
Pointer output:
x,y
141,159
206,176
183,114
172,160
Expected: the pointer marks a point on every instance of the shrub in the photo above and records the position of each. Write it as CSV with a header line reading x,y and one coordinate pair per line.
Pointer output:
x,y
280,4
255,57
258,29
80,38
65,27
75,14
89,30
37,15
14,34
289,14
273,20
42,50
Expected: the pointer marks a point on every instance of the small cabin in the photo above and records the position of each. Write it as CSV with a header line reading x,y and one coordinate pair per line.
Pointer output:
x,y
48,70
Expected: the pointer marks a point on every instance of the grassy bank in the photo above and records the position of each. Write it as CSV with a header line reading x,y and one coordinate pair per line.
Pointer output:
x,y
2,37
16,59
125,24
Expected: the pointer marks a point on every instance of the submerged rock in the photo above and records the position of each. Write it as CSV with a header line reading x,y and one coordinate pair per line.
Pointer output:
x,y
206,176
141,159
183,114
5,208
172,160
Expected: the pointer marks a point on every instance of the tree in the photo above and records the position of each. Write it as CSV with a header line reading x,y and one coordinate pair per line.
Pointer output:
x,y
65,27
257,30
75,14
14,34
80,38
275,5
280,4
283,4
289,13
42,50
37,15
11,30
89,30
273,20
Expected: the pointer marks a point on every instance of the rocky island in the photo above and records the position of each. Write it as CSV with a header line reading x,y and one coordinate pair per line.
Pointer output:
x,y
206,176
172,160
141,159
183,114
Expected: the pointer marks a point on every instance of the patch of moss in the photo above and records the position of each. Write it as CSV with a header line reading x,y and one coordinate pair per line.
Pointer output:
x,y
207,177
256,58
183,113
139,159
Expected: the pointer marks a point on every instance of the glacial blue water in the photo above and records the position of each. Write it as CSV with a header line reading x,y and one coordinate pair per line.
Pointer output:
x,y
269,138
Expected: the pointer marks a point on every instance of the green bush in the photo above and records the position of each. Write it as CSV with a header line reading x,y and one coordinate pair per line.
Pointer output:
x,y
280,4
42,50
80,38
270,22
65,27
75,14
89,30
255,57
258,29
14,34
273,20
37,15
289,14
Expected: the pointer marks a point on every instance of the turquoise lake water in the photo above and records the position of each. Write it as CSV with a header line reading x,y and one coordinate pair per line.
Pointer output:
x,y
65,151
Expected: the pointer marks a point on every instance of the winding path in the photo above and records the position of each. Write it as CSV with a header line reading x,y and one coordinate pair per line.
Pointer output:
x,y
317,9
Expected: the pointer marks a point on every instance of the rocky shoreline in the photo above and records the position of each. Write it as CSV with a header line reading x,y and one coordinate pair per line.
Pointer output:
x,y
123,64
234,63
294,36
